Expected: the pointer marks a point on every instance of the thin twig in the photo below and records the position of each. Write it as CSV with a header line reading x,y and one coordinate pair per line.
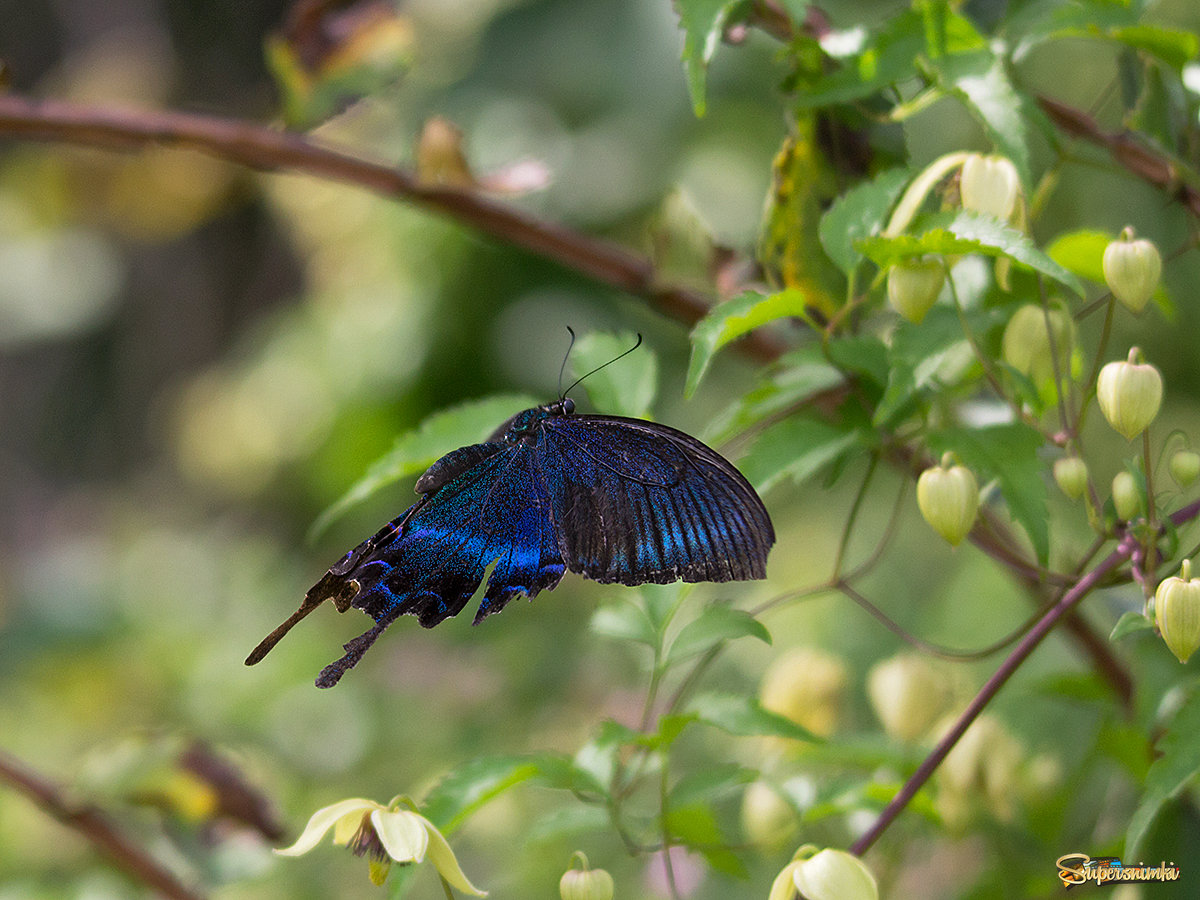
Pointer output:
x,y
94,825
268,149
1019,654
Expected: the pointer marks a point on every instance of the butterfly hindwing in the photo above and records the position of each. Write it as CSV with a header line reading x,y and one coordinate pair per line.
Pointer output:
x,y
639,502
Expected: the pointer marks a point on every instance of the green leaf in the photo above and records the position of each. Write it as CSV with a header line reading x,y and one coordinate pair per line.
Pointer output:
x,y
981,80
743,716
703,22
696,826
625,621
1178,763
730,320
1129,623
793,379
927,356
471,785
965,232
415,451
669,729
889,56
626,388
714,782
797,448
1008,453
715,624
860,212
1173,46
864,355
562,773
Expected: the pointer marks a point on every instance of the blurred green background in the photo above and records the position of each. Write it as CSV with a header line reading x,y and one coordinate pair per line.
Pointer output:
x,y
196,360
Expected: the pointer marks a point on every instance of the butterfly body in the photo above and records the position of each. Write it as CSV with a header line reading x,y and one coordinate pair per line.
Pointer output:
x,y
616,500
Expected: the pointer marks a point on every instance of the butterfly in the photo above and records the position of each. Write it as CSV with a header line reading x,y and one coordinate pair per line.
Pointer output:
x,y
614,499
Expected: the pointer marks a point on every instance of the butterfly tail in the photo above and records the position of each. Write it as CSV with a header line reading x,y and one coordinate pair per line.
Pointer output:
x,y
332,587
355,649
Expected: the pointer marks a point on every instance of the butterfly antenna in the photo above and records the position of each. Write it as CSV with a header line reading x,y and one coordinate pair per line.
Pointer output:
x,y
598,368
563,367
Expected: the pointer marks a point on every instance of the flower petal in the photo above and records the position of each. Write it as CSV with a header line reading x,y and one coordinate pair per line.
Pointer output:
x,y
324,819
443,859
403,834
784,887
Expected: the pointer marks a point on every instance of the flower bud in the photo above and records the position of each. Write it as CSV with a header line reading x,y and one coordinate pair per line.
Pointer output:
x,y
585,883
1184,466
1132,269
990,185
768,820
1030,347
1177,612
1071,475
1127,499
948,497
835,875
907,694
1129,394
914,285
807,686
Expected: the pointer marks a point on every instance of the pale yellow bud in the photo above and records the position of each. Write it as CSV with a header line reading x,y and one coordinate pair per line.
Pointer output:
x,y
907,694
1177,612
807,686
948,497
1129,394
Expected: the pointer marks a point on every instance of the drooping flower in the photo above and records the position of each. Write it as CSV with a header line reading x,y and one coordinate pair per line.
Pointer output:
x,y
384,834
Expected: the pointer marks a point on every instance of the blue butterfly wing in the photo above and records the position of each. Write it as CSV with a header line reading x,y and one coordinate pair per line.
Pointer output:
x,y
637,502
431,560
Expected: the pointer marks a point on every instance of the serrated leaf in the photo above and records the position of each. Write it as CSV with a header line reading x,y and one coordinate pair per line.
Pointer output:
x,y
703,22
1008,453
859,213
965,232
626,388
467,788
797,448
740,715
1129,623
730,320
1177,764
415,451
715,624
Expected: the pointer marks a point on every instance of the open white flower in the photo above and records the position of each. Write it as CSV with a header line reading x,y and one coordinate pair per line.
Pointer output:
x,y
385,834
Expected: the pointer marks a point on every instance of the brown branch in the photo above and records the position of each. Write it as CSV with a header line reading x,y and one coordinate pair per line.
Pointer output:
x,y
94,825
1144,162
259,147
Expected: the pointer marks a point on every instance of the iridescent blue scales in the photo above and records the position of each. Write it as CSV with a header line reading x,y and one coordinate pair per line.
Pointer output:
x,y
616,500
